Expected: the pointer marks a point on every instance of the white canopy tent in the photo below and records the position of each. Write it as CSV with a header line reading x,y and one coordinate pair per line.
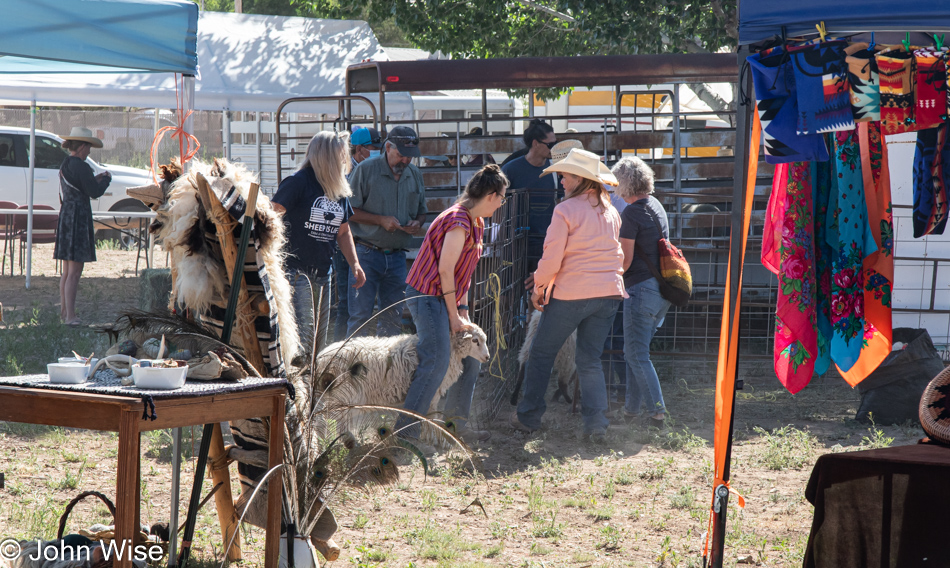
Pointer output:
x,y
248,63
102,36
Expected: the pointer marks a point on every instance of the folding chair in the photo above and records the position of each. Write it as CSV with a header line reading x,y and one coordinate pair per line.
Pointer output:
x,y
44,230
8,234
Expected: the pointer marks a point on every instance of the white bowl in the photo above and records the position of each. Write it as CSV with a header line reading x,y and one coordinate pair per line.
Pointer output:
x,y
67,373
90,367
159,378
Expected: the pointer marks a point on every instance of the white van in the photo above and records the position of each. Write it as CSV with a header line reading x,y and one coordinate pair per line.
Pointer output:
x,y
14,174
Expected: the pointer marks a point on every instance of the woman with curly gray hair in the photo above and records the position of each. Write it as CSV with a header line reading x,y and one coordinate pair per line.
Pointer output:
x,y
643,221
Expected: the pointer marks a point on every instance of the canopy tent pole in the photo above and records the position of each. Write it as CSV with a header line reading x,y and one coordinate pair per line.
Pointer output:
x,y
188,82
29,200
746,163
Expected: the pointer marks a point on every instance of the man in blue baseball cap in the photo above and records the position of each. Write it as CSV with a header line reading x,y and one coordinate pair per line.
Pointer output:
x,y
364,143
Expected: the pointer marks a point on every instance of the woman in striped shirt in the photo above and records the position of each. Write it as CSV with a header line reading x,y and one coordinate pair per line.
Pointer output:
x,y
437,295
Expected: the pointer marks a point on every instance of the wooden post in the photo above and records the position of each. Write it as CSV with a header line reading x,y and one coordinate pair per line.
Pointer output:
x,y
223,499
224,225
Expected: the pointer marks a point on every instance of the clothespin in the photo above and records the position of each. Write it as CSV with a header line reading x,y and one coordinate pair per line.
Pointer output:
x,y
938,41
871,44
821,30
906,42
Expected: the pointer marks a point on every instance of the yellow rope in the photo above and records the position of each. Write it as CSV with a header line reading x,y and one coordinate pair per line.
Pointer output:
x,y
494,291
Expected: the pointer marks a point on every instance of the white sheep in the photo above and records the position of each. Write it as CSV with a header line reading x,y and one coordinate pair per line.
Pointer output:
x,y
378,370
564,365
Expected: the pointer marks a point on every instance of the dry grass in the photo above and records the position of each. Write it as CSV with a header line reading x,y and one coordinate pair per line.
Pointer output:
x,y
641,500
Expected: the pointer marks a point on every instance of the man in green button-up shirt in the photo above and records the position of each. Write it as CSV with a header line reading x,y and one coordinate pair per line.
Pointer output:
x,y
389,208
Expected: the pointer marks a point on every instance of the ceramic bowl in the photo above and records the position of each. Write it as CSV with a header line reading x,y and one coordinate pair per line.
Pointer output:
x,y
159,378
91,366
67,373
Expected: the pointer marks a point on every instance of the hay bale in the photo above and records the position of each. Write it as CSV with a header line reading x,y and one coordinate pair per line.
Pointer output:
x,y
155,287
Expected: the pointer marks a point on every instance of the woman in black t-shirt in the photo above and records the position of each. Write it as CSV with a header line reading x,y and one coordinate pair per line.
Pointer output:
x,y
643,223
315,205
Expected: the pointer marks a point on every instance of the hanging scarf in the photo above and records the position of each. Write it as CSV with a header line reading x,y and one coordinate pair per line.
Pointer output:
x,y
879,266
863,80
849,235
930,192
788,251
821,80
774,83
822,182
931,91
897,76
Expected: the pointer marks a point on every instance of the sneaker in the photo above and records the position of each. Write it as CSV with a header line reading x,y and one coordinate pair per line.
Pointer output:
x,y
598,437
658,423
471,435
517,425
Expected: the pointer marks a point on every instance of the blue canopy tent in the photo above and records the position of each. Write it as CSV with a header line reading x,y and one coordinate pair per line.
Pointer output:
x,y
759,22
97,36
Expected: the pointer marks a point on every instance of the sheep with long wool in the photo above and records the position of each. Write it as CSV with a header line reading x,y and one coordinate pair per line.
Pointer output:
x,y
564,366
378,370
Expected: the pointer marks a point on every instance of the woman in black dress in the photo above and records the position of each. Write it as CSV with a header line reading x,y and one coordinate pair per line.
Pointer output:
x,y
75,237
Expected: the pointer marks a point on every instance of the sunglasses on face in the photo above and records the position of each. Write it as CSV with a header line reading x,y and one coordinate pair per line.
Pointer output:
x,y
549,144
405,140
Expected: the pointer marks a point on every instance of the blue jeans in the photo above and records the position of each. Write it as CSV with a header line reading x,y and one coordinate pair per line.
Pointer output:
x,y
435,348
385,278
303,309
341,313
643,312
592,319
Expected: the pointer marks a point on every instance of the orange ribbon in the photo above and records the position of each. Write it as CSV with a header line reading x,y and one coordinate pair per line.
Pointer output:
x,y
188,145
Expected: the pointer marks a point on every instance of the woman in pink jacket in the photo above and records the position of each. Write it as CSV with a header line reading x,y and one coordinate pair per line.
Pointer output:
x,y
578,285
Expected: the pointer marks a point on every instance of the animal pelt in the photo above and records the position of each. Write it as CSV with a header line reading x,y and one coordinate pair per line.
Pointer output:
x,y
564,366
378,371
185,230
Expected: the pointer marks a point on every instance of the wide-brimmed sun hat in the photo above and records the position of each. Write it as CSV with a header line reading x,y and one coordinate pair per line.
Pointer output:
x,y
584,164
560,150
83,134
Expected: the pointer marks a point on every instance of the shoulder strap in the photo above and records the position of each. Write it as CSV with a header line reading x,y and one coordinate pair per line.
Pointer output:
x,y
656,223
646,260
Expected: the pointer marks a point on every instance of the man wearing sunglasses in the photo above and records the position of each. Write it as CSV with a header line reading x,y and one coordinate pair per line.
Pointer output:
x,y
527,172
389,207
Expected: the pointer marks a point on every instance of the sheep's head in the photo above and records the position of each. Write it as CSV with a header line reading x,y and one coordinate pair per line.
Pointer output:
x,y
472,342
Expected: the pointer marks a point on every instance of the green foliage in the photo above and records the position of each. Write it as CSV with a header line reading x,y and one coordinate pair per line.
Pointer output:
x,y
786,447
876,438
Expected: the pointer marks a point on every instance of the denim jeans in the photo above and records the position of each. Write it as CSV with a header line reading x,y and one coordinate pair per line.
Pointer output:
x,y
643,312
303,309
385,279
341,278
434,349
592,319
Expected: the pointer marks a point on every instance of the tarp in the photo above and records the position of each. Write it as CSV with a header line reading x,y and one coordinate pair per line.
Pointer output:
x,y
84,35
248,63
761,19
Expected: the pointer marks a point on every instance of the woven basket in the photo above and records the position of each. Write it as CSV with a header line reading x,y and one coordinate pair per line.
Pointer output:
x,y
935,408
80,497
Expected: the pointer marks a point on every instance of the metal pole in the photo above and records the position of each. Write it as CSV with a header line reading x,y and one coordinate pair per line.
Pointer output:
x,y
227,133
677,160
29,200
175,496
188,82
260,155
485,112
530,103
740,175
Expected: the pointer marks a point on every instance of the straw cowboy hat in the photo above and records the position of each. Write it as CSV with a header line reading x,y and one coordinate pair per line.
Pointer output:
x,y
560,150
584,164
83,134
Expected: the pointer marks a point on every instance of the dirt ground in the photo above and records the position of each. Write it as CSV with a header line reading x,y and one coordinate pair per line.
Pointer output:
x,y
545,500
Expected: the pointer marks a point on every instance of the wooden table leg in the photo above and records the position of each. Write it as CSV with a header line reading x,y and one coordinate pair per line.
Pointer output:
x,y
274,484
126,486
224,499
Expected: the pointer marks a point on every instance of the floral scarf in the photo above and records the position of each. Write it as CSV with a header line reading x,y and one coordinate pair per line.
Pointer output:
x,y
878,267
849,235
788,250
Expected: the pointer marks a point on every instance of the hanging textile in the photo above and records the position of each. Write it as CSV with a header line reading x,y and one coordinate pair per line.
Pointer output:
x,y
791,248
897,77
879,266
930,183
774,84
850,237
821,81
822,184
863,81
930,108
